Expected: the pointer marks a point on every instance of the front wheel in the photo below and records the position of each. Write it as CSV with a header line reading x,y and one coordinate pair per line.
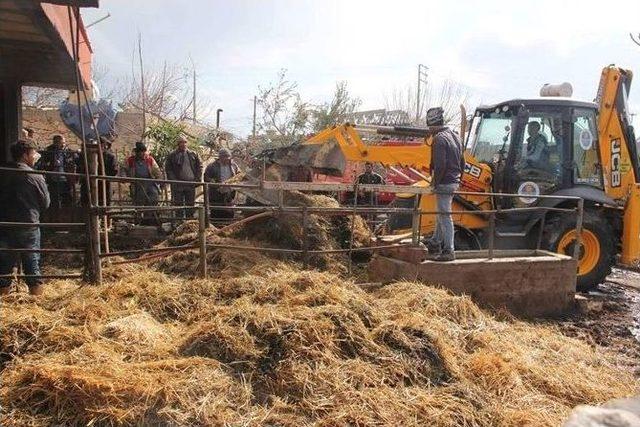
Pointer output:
x,y
597,250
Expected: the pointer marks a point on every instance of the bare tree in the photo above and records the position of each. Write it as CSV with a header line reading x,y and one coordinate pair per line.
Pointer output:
x,y
41,97
167,93
449,95
334,112
285,116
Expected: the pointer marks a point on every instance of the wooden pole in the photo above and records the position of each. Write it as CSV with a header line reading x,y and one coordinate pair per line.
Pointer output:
x,y
94,270
101,167
202,241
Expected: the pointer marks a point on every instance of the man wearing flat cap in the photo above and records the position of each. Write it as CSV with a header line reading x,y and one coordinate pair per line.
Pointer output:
x,y
183,164
222,169
23,198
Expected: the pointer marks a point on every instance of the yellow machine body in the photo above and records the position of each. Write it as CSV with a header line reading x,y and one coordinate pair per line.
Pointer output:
x,y
476,178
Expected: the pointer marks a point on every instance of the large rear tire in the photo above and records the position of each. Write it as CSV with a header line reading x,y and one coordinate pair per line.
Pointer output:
x,y
597,251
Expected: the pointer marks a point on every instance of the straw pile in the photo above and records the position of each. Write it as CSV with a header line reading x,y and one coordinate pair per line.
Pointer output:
x,y
280,230
284,347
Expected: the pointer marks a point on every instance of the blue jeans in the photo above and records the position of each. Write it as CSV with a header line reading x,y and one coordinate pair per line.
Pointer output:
x,y
23,238
444,232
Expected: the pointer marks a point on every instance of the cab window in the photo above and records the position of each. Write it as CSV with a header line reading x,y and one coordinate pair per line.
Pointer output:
x,y
490,135
539,158
586,163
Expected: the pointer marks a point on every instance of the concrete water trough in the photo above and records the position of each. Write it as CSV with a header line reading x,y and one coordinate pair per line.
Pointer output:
x,y
528,283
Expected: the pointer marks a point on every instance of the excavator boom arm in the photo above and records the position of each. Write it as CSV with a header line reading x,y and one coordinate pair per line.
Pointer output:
x,y
619,156
346,136
476,177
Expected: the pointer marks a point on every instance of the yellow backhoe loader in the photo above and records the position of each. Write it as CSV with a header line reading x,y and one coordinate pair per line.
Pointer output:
x,y
589,152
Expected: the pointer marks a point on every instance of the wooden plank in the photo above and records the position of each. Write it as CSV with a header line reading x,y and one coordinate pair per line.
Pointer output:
x,y
13,16
8,5
23,45
21,27
17,35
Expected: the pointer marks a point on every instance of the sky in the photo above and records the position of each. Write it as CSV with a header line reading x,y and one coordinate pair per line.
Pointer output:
x,y
496,49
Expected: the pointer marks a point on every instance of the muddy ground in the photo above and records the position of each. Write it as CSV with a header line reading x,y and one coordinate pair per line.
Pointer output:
x,y
610,317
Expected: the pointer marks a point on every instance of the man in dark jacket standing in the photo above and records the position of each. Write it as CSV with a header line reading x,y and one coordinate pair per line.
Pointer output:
x,y
447,166
219,171
369,177
23,198
57,157
183,164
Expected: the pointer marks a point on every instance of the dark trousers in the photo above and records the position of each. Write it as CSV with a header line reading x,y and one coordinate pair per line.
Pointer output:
x,y
146,195
221,199
60,193
24,238
182,195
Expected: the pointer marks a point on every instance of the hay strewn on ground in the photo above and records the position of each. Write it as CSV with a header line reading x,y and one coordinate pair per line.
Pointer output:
x,y
281,230
280,346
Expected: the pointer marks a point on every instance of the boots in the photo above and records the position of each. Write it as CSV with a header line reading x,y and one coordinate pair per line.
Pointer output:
x,y
445,256
433,247
5,290
36,290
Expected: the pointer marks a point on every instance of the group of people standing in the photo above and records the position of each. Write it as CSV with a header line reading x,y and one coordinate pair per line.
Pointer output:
x,y
58,157
185,165
25,196
182,164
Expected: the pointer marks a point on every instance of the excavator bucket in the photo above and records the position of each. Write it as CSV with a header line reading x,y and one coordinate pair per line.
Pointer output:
x,y
279,163
326,159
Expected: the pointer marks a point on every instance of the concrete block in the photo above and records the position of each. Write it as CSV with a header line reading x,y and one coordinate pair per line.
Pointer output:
x,y
530,286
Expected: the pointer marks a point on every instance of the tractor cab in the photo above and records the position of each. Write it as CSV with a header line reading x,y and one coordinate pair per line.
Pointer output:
x,y
537,146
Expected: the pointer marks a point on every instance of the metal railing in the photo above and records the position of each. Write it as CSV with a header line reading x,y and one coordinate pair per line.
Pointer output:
x,y
203,210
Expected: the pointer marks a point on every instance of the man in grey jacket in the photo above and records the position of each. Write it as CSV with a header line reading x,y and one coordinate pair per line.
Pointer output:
x,y
23,198
447,166
183,164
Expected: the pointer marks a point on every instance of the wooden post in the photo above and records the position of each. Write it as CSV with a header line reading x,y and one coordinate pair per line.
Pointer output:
x,y
415,222
202,242
93,273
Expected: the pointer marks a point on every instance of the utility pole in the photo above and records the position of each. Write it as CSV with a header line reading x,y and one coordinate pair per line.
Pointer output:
x,y
218,111
194,95
142,88
422,78
255,102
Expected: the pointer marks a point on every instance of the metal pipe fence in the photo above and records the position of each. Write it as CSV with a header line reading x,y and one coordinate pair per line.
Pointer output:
x,y
203,212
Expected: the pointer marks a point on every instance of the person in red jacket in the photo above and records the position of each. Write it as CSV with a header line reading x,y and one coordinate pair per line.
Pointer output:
x,y
146,193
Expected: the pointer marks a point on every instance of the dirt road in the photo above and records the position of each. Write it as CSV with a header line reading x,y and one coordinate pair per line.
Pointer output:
x,y
610,317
